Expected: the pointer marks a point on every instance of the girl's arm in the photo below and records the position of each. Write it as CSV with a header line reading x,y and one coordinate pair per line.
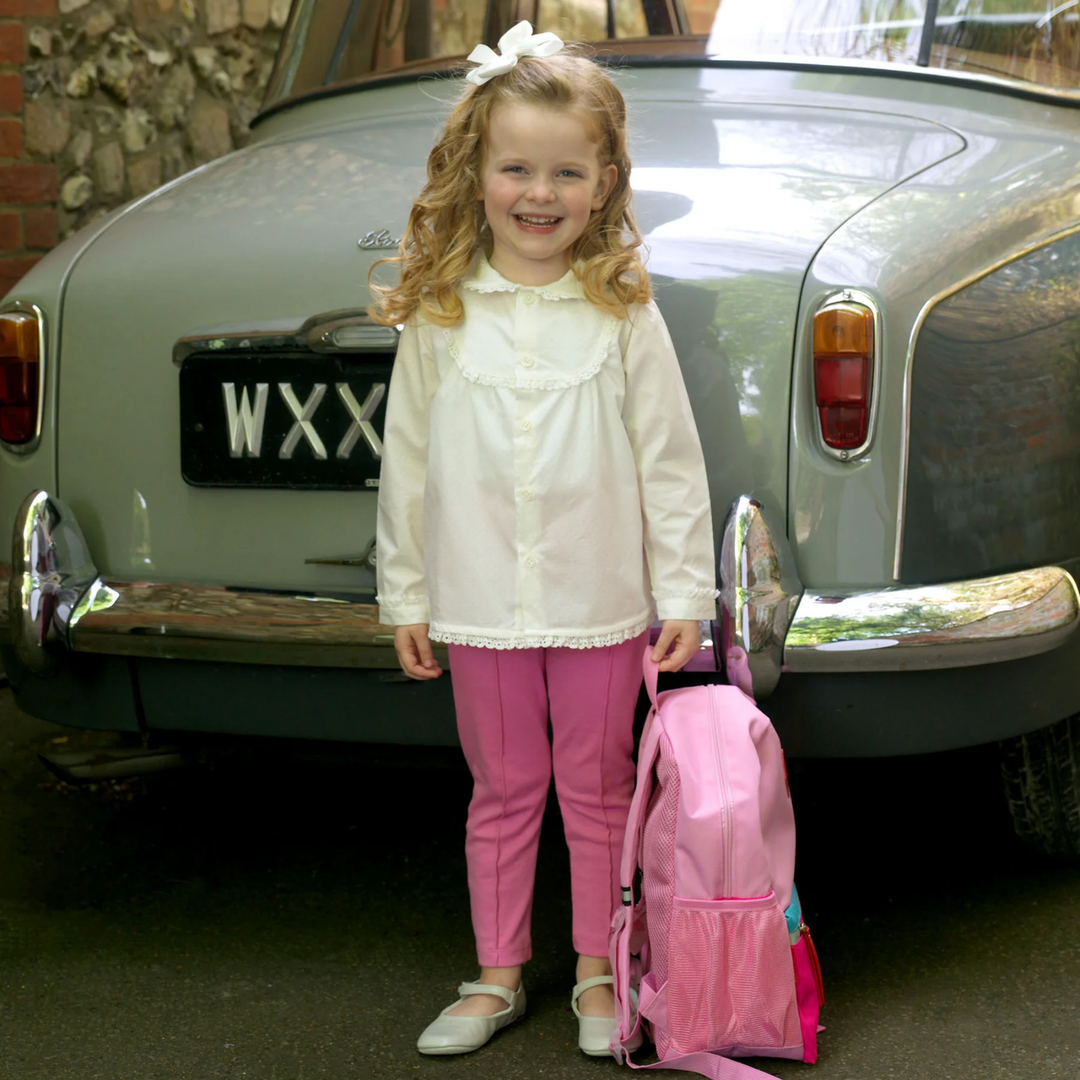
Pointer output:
x,y
672,484
399,563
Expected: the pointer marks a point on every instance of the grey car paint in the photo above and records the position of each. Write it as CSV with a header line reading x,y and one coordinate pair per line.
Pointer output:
x,y
1015,185
993,463
749,227
735,199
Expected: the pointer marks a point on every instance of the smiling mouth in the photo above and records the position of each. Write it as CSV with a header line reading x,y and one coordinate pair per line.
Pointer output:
x,y
533,222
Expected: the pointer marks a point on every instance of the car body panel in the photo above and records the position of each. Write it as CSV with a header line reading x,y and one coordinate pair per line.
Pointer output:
x,y
993,473
762,190
1015,186
747,177
43,288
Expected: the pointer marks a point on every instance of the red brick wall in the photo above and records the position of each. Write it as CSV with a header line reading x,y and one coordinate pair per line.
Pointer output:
x,y
27,188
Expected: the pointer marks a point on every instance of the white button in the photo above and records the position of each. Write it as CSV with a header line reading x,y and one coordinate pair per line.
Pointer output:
x,y
530,298
526,361
525,425
530,562
527,495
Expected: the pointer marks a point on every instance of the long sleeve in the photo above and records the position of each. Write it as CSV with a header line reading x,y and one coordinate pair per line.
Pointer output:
x,y
672,482
400,574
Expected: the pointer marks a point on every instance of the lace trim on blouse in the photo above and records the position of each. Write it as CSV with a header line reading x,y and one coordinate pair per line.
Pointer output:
x,y
491,286
408,600
484,378
548,292
540,641
486,279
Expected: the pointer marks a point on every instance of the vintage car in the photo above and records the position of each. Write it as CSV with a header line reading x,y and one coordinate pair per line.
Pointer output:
x,y
864,231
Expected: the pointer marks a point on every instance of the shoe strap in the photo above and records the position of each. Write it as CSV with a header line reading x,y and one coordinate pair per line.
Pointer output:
x,y
588,984
468,989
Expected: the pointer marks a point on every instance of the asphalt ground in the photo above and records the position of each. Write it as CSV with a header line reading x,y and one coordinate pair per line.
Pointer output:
x,y
276,919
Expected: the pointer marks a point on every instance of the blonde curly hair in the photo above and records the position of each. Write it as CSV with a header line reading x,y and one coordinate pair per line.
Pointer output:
x,y
447,225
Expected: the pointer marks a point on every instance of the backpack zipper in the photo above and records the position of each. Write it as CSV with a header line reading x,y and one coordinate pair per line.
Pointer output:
x,y
726,823
815,964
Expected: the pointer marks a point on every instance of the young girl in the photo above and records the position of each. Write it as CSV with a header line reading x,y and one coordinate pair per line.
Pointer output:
x,y
542,494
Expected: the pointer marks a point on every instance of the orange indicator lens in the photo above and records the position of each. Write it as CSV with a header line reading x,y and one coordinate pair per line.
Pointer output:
x,y
844,330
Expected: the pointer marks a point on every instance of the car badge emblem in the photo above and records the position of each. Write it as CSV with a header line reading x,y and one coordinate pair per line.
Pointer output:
x,y
377,239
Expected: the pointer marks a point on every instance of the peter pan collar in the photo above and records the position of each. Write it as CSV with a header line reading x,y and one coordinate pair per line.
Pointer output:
x,y
484,278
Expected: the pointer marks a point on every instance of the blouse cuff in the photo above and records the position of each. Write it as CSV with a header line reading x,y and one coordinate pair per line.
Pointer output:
x,y
701,604
404,611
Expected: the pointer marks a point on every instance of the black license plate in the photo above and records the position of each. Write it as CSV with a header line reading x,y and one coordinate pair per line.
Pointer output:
x,y
282,421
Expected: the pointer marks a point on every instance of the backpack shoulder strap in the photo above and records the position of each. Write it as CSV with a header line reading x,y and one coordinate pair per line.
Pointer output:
x,y
647,752
635,822
625,921
714,1066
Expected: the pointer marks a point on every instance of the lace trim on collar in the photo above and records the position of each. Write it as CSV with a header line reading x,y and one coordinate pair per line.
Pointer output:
x,y
484,278
524,382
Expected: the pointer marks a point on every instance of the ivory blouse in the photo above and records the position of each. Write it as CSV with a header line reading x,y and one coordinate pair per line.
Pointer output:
x,y
542,479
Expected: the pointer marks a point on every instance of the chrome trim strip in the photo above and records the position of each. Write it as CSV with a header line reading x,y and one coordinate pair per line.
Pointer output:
x,y
99,597
57,602
909,362
43,360
319,334
192,622
956,624
758,594
196,622
851,296
51,573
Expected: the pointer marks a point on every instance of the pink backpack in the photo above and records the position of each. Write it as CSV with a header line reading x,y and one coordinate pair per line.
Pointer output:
x,y
716,948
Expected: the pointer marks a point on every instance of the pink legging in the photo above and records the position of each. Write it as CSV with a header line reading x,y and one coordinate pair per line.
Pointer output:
x,y
503,698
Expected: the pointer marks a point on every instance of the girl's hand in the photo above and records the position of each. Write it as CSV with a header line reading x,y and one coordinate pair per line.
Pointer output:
x,y
679,640
413,648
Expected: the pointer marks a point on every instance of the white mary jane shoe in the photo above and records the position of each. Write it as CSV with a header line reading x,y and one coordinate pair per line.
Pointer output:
x,y
463,1034
595,1032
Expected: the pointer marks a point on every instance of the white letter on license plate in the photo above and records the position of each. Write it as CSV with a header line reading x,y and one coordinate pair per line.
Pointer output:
x,y
245,428
361,419
302,416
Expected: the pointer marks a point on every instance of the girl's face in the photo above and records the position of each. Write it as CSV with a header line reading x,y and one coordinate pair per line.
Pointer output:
x,y
541,180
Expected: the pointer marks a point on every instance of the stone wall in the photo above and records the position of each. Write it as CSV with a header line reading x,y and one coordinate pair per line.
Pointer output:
x,y
101,101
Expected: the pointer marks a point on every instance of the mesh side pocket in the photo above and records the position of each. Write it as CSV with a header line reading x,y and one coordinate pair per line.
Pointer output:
x,y
730,977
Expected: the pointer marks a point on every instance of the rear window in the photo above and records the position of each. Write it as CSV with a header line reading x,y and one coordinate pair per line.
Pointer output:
x,y
329,42
1031,40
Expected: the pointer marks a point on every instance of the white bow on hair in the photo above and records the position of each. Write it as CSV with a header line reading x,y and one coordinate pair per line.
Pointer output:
x,y
517,42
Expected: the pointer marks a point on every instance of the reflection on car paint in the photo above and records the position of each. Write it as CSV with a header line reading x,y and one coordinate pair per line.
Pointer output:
x,y
993,466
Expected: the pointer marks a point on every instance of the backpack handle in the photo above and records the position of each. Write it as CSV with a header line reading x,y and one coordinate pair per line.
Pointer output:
x,y
650,671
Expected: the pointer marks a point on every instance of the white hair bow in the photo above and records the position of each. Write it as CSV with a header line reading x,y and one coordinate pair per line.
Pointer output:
x,y
517,42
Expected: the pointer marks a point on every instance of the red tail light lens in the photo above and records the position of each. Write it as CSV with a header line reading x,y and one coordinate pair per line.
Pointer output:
x,y
20,371
843,373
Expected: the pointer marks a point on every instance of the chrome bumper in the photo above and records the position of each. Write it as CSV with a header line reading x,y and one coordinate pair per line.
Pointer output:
x,y
771,625
58,603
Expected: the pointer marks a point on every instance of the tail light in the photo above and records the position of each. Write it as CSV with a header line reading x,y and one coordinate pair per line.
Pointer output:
x,y
844,373
20,377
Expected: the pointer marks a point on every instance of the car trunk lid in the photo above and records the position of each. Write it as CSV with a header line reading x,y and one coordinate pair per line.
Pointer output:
x,y
734,199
